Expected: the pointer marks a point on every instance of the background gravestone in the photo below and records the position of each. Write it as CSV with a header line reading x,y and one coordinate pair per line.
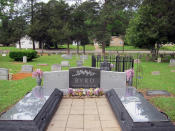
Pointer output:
x,y
55,67
24,59
83,57
66,56
79,63
4,74
27,68
105,66
84,78
172,62
65,64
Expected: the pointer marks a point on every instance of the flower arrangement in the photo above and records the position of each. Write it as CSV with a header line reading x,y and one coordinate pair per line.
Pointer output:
x,y
37,74
85,92
129,76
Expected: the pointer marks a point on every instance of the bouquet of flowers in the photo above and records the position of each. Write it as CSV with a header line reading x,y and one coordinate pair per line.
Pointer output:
x,y
37,74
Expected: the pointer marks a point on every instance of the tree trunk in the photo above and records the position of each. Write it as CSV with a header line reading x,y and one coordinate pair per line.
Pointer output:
x,y
56,46
68,49
40,45
77,48
33,44
103,49
19,44
84,49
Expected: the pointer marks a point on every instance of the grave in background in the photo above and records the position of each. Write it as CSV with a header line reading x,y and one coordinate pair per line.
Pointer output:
x,y
65,64
105,66
4,74
27,68
172,62
157,92
67,56
55,67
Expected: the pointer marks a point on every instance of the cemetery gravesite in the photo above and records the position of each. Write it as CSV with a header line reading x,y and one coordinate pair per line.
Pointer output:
x,y
96,96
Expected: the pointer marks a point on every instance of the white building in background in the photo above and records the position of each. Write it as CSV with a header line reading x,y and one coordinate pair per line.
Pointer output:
x,y
27,43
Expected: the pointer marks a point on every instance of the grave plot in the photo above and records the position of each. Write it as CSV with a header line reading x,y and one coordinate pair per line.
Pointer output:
x,y
33,112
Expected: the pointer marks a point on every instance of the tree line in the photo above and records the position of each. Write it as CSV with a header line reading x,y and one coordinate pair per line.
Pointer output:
x,y
142,23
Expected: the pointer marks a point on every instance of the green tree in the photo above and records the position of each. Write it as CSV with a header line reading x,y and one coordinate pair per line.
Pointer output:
x,y
153,25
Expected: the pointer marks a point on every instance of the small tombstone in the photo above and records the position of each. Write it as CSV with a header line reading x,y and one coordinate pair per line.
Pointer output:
x,y
4,74
156,73
66,56
83,57
172,62
157,92
3,54
105,66
24,59
79,63
27,68
137,61
65,64
42,64
159,60
55,67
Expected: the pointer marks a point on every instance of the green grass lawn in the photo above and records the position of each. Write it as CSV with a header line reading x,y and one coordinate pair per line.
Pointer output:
x,y
12,91
120,48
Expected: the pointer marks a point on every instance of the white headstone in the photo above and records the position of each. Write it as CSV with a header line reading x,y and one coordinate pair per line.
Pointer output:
x,y
172,62
3,54
158,60
24,59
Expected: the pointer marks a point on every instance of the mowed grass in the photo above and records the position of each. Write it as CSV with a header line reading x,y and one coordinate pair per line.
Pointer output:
x,y
13,91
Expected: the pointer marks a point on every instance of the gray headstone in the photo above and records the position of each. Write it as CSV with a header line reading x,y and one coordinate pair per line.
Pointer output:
x,y
56,79
105,66
156,73
159,60
24,59
83,57
55,67
115,80
157,92
65,63
79,63
67,56
84,77
27,68
172,62
4,74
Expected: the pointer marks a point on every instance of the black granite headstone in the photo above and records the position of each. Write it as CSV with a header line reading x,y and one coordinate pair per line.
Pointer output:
x,y
84,77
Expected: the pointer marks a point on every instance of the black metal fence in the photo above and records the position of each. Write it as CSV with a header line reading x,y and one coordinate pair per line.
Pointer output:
x,y
117,63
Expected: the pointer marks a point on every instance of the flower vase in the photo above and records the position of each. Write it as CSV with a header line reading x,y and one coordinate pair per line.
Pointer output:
x,y
38,81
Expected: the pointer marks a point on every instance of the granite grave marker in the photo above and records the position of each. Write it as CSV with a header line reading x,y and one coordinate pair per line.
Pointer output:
x,y
55,67
27,68
84,77
4,74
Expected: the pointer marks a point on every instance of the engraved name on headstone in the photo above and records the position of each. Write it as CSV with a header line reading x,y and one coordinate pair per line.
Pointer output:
x,y
27,68
4,74
84,78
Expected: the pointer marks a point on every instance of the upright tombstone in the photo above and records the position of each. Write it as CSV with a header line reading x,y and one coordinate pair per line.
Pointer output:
x,y
84,77
105,66
24,59
27,69
55,67
4,74
79,63
65,63
172,62
159,60
67,56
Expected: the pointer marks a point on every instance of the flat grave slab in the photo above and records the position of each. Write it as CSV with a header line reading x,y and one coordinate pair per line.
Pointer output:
x,y
157,92
172,70
27,68
155,73
33,112
135,113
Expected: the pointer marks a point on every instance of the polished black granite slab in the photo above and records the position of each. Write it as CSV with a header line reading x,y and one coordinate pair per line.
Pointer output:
x,y
134,113
33,112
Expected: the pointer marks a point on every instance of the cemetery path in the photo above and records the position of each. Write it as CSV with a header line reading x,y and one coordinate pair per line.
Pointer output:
x,y
88,114
19,76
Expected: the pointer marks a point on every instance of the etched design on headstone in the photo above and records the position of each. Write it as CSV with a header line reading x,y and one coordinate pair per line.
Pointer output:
x,y
84,78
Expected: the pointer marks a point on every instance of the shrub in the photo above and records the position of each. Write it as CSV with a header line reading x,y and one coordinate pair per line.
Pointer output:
x,y
18,55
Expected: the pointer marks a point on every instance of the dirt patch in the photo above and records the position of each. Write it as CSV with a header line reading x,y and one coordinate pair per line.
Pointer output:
x,y
20,76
